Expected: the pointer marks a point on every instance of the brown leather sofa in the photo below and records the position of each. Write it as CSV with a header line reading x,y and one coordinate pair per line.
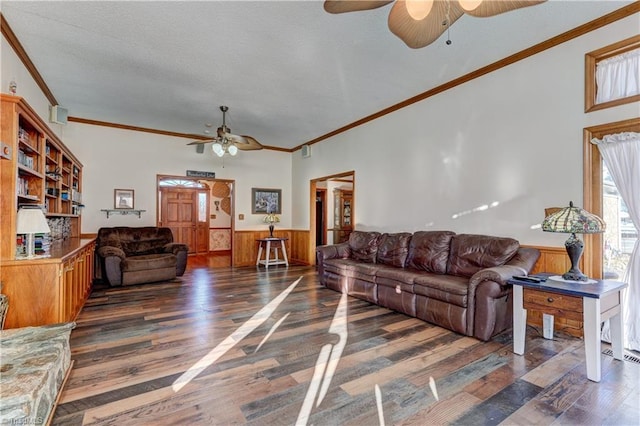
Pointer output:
x,y
456,281
135,255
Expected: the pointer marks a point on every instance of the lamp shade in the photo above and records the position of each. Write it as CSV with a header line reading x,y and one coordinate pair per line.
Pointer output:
x,y
573,220
271,218
31,221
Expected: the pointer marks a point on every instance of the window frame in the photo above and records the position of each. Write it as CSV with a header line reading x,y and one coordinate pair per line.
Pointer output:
x,y
591,61
593,188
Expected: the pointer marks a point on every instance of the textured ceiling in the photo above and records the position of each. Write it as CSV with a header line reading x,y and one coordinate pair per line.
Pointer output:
x,y
289,71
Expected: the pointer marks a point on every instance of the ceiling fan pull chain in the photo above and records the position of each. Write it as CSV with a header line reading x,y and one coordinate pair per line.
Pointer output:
x,y
448,22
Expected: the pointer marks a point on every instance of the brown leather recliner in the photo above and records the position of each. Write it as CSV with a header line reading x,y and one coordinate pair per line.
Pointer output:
x,y
455,281
134,255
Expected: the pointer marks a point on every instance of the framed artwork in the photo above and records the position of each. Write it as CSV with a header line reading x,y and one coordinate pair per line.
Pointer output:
x,y
123,199
264,200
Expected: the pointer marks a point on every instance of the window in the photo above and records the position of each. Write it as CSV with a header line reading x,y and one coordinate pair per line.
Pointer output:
x,y
613,70
620,235
597,190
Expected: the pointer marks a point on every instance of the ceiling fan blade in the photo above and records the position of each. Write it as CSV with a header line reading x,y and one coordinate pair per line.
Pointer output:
x,y
495,7
342,6
250,145
417,34
201,142
245,143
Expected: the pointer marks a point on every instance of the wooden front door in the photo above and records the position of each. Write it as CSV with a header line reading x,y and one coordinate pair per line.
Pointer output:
x,y
179,208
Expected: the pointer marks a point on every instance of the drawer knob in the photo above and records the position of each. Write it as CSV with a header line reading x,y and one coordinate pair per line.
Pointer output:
x,y
550,299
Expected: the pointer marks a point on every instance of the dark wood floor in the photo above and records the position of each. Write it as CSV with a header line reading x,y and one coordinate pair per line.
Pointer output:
x,y
225,346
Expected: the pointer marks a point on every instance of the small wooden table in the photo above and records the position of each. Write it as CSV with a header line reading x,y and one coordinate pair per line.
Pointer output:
x,y
272,243
592,303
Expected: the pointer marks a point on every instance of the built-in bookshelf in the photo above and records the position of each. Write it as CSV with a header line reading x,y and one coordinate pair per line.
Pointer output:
x,y
40,170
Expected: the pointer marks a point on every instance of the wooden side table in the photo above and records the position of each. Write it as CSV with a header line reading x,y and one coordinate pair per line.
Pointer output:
x,y
274,244
592,303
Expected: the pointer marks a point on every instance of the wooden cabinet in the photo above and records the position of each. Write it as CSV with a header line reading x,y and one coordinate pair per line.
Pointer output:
x,y
37,168
40,170
49,290
343,214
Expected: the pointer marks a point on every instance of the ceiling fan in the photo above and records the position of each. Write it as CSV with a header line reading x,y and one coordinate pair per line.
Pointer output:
x,y
226,142
420,22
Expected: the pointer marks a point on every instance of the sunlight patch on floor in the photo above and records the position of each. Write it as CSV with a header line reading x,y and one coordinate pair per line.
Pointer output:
x,y
327,363
243,331
271,331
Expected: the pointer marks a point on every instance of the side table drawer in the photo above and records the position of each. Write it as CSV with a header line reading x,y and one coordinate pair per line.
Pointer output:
x,y
555,304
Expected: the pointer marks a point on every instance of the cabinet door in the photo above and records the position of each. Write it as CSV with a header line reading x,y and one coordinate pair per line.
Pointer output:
x,y
67,290
34,294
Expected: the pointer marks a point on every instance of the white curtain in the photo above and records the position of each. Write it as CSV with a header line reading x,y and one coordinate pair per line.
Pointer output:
x,y
621,155
618,77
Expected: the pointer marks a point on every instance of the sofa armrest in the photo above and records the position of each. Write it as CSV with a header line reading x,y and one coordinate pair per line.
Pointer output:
x,y
525,258
490,310
333,251
181,252
499,274
521,264
109,251
112,258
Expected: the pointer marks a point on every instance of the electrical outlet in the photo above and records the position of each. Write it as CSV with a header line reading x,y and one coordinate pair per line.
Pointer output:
x,y
241,216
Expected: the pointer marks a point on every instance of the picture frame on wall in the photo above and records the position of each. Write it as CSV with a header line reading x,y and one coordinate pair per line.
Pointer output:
x,y
123,199
265,200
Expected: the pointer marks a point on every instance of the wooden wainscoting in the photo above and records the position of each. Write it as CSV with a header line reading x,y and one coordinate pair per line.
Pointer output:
x,y
555,260
245,246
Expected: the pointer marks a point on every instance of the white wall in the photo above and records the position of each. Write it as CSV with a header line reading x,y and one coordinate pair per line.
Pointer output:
x,y
116,158
11,68
513,137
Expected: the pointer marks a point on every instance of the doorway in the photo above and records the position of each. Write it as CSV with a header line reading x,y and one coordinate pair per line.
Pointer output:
x,y
321,216
180,211
323,208
200,214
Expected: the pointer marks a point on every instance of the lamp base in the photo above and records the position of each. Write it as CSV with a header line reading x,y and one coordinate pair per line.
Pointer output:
x,y
574,248
271,231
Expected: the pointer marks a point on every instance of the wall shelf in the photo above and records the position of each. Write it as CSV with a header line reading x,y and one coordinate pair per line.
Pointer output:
x,y
123,212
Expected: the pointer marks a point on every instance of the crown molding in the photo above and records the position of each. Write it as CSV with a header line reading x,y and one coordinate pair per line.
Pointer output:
x,y
15,44
581,30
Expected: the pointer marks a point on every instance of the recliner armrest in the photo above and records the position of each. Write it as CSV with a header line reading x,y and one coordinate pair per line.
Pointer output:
x,y
180,251
175,248
108,251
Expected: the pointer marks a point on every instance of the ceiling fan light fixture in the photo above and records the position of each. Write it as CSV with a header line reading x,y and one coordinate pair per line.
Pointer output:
x,y
469,5
217,148
232,149
418,9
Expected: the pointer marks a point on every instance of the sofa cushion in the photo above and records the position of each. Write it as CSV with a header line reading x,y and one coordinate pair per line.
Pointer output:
x,y
351,268
391,276
141,247
393,249
447,288
429,251
364,245
471,253
148,261
135,240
